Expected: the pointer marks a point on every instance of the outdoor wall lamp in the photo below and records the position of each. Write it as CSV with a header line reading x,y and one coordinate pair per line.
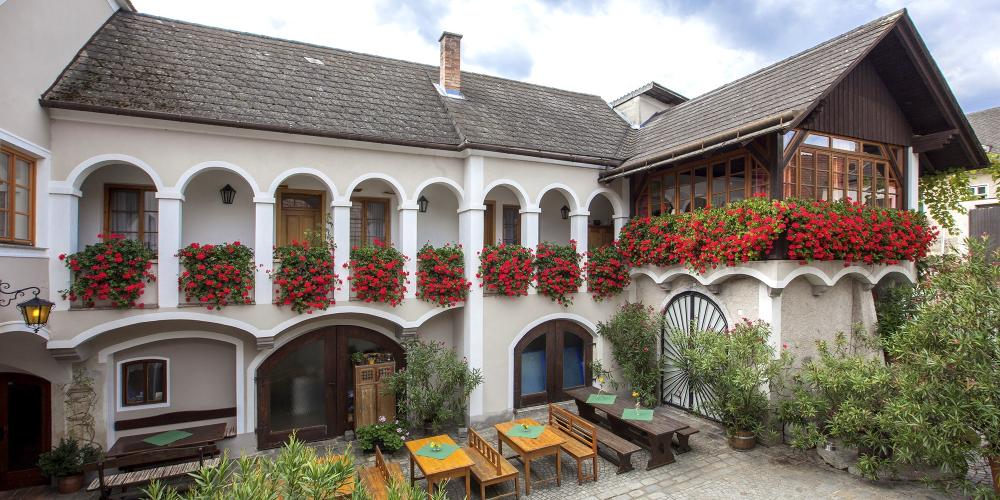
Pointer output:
x,y
228,193
35,311
422,203
564,211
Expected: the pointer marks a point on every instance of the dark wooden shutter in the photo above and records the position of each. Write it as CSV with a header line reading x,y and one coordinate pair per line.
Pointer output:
x,y
986,220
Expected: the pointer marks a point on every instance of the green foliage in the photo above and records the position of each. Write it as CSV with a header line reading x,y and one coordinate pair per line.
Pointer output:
x,y
735,366
68,458
435,385
633,332
944,192
840,396
388,435
896,305
947,364
604,377
403,490
296,472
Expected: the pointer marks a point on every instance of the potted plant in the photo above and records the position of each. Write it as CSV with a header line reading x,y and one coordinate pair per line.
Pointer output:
x,y
65,463
736,366
387,435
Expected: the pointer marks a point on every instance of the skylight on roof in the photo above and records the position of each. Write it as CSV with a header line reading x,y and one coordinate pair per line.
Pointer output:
x,y
314,60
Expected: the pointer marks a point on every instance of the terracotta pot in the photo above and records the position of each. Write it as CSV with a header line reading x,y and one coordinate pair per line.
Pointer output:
x,y
742,440
70,484
995,471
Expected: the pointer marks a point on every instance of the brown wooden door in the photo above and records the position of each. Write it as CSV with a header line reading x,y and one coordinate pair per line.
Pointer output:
x,y
307,385
300,215
25,428
599,237
490,224
551,358
986,220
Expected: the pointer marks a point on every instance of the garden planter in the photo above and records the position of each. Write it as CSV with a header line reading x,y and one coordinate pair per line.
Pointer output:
x,y
70,484
742,440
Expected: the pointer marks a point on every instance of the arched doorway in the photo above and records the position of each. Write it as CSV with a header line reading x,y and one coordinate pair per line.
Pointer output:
x,y
551,358
25,428
307,385
687,312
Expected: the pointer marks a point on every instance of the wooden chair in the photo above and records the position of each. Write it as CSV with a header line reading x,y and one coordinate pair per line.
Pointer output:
x,y
377,478
580,436
489,466
105,483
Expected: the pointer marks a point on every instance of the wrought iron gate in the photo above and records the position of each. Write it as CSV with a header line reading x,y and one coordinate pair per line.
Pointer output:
x,y
687,312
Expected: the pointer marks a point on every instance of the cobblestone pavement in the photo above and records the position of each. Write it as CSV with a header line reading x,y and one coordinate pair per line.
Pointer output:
x,y
711,470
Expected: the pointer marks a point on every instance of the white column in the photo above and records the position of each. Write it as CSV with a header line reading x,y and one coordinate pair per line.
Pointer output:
x,y
263,251
769,307
169,242
619,224
470,235
342,253
912,176
530,233
408,244
64,203
579,232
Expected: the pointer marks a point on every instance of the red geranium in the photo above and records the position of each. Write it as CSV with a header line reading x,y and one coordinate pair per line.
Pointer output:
x,y
441,275
607,273
506,269
377,273
557,269
217,275
305,276
116,270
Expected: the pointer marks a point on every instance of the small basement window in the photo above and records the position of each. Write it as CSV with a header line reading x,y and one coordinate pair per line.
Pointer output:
x,y
978,191
144,382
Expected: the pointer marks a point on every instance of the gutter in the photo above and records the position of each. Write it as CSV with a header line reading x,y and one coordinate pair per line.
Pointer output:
x,y
754,129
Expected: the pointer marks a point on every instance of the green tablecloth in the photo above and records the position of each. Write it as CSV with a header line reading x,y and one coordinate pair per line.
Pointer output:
x,y
441,453
601,399
165,438
531,432
637,414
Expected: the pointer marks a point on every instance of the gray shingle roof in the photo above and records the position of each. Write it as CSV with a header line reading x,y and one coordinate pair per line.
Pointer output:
x,y
986,124
148,66
790,85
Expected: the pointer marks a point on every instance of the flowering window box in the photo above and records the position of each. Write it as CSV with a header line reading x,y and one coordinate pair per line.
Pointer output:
x,y
214,276
114,273
378,274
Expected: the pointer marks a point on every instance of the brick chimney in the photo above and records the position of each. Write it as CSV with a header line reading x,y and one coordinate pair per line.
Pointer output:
x,y
451,62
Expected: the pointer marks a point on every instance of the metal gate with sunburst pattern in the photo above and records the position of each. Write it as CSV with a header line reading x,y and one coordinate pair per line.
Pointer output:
x,y
687,312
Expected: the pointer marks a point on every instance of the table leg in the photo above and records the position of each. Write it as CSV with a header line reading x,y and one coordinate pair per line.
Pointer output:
x,y
527,475
430,486
468,485
659,451
558,468
412,471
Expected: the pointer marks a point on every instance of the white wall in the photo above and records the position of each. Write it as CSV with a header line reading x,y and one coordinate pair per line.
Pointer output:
x,y
439,225
551,226
92,203
207,220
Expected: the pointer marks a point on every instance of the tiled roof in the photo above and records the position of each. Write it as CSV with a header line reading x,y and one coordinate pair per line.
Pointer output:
x,y
788,86
986,124
148,66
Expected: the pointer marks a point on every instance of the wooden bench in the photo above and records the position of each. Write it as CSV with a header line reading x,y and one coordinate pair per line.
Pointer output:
x,y
580,436
490,467
683,436
125,480
377,478
616,449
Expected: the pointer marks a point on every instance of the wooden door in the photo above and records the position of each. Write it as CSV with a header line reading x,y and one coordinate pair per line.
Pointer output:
x,y
365,395
300,215
386,399
986,220
490,224
25,428
551,358
599,237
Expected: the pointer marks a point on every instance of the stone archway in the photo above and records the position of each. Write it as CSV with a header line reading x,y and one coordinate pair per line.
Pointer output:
x,y
306,385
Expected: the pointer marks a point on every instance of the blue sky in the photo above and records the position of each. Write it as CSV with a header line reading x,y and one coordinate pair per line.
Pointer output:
x,y
610,47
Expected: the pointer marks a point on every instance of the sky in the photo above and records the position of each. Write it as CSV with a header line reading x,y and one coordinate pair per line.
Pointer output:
x,y
611,47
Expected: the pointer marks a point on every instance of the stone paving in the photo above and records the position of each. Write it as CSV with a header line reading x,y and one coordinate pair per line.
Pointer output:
x,y
711,470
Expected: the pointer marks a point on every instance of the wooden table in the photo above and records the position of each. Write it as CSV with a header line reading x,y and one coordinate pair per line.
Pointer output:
x,y
654,435
457,464
200,436
547,443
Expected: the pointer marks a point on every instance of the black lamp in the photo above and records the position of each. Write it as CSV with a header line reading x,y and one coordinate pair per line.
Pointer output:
x,y
422,203
228,193
35,312
564,211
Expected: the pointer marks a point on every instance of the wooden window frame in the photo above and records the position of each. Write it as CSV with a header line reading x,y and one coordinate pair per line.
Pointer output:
x,y
750,165
11,211
145,379
364,201
279,223
490,223
517,225
888,159
142,189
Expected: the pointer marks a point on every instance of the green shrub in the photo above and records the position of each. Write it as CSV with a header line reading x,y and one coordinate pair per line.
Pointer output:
x,y
633,332
68,458
434,387
387,435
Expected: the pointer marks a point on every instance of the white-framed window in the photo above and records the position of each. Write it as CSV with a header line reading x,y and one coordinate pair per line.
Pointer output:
x,y
143,383
979,191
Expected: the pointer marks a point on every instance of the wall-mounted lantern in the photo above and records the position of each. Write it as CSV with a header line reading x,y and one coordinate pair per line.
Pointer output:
x,y
228,193
34,312
564,211
422,203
